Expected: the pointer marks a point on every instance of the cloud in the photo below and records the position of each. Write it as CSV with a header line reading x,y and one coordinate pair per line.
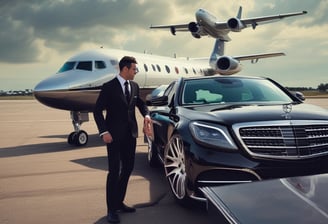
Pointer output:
x,y
43,32
69,24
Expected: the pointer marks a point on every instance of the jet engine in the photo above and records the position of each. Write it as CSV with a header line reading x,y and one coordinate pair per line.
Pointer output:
x,y
235,25
227,65
194,29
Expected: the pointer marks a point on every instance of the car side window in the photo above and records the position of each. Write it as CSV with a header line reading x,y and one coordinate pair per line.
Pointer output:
x,y
169,92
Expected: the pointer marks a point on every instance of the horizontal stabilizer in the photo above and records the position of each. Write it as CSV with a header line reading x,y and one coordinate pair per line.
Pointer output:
x,y
258,56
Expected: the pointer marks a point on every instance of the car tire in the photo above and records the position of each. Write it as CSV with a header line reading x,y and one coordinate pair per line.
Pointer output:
x,y
174,165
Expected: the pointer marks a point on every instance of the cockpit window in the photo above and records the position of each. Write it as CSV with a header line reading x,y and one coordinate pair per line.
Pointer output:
x,y
100,65
114,62
67,66
84,65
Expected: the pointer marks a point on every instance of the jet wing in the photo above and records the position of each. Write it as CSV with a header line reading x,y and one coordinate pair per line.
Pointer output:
x,y
258,20
266,19
172,27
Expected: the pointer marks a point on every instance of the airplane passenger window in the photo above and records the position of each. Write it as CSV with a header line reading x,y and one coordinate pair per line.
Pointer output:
x,y
84,65
146,68
186,70
158,68
167,69
176,70
67,66
100,64
154,69
194,71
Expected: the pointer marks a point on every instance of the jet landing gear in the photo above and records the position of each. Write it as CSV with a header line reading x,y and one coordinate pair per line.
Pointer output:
x,y
78,137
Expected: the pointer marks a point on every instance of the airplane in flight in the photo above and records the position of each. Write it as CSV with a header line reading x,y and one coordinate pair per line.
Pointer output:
x,y
76,86
208,25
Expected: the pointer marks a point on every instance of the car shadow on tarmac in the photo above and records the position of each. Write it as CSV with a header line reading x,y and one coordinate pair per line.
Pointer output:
x,y
155,177
150,183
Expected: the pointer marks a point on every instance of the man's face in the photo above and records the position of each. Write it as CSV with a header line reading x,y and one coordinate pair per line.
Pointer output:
x,y
132,71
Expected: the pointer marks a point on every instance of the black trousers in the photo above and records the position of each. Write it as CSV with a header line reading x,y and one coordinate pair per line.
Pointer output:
x,y
121,156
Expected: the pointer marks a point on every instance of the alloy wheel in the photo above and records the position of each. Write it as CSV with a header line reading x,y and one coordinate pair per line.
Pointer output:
x,y
174,164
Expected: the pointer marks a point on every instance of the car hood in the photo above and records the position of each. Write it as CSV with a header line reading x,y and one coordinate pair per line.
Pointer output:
x,y
251,113
286,200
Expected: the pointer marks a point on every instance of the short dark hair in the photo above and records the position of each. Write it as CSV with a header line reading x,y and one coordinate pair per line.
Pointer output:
x,y
127,61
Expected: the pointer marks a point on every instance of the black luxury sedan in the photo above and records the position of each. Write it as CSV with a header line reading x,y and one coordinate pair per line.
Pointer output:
x,y
219,130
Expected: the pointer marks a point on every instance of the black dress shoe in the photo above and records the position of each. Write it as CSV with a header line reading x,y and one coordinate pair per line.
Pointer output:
x,y
125,208
112,217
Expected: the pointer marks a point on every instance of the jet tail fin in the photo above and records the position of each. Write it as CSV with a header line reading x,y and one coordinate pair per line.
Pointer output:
x,y
218,50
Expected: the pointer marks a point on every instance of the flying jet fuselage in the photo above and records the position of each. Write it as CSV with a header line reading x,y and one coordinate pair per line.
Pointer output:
x,y
207,24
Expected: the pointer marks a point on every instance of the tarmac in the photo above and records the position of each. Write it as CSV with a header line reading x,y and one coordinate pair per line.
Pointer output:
x,y
43,179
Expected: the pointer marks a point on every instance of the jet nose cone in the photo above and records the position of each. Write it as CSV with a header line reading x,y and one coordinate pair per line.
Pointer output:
x,y
41,86
46,91
55,82
65,91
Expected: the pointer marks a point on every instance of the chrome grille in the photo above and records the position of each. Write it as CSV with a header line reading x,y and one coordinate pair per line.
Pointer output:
x,y
284,140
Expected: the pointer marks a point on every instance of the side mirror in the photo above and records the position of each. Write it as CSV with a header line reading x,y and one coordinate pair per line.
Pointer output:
x,y
300,95
157,101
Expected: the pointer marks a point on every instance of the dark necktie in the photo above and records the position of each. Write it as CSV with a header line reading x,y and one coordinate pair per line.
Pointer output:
x,y
126,91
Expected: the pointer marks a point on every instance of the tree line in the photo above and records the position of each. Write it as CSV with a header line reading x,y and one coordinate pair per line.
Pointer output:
x,y
323,87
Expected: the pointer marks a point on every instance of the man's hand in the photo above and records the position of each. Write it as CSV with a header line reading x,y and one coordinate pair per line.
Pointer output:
x,y
107,138
148,127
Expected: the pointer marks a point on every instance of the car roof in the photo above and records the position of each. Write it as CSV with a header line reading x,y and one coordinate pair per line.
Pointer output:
x,y
221,76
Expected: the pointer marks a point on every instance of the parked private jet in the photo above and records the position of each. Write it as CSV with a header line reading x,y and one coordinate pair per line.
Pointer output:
x,y
77,84
208,25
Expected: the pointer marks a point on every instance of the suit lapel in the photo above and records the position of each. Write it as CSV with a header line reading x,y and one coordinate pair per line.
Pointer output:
x,y
122,95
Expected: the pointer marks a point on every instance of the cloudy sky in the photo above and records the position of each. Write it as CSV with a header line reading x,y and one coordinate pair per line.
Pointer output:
x,y
37,36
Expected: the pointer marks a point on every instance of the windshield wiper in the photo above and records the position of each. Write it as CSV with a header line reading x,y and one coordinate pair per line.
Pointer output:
x,y
232,106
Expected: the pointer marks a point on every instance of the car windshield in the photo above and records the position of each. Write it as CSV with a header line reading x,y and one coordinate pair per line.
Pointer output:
x,y
232,90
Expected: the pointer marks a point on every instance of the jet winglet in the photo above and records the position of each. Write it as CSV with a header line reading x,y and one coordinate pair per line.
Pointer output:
x,y
239,12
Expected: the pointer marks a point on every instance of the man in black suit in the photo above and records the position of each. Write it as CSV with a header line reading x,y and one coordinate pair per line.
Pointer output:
x,y
119,131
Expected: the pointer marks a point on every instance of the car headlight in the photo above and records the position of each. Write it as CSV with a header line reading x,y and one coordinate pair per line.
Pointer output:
x,y
212,135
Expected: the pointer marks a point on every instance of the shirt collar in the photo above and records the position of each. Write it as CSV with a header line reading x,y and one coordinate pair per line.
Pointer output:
x,y
122,80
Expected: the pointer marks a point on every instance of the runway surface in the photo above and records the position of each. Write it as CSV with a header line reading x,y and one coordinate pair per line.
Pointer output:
x,y
45,180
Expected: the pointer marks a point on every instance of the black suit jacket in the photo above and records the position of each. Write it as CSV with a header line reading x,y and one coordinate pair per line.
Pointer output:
x,y
120,114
